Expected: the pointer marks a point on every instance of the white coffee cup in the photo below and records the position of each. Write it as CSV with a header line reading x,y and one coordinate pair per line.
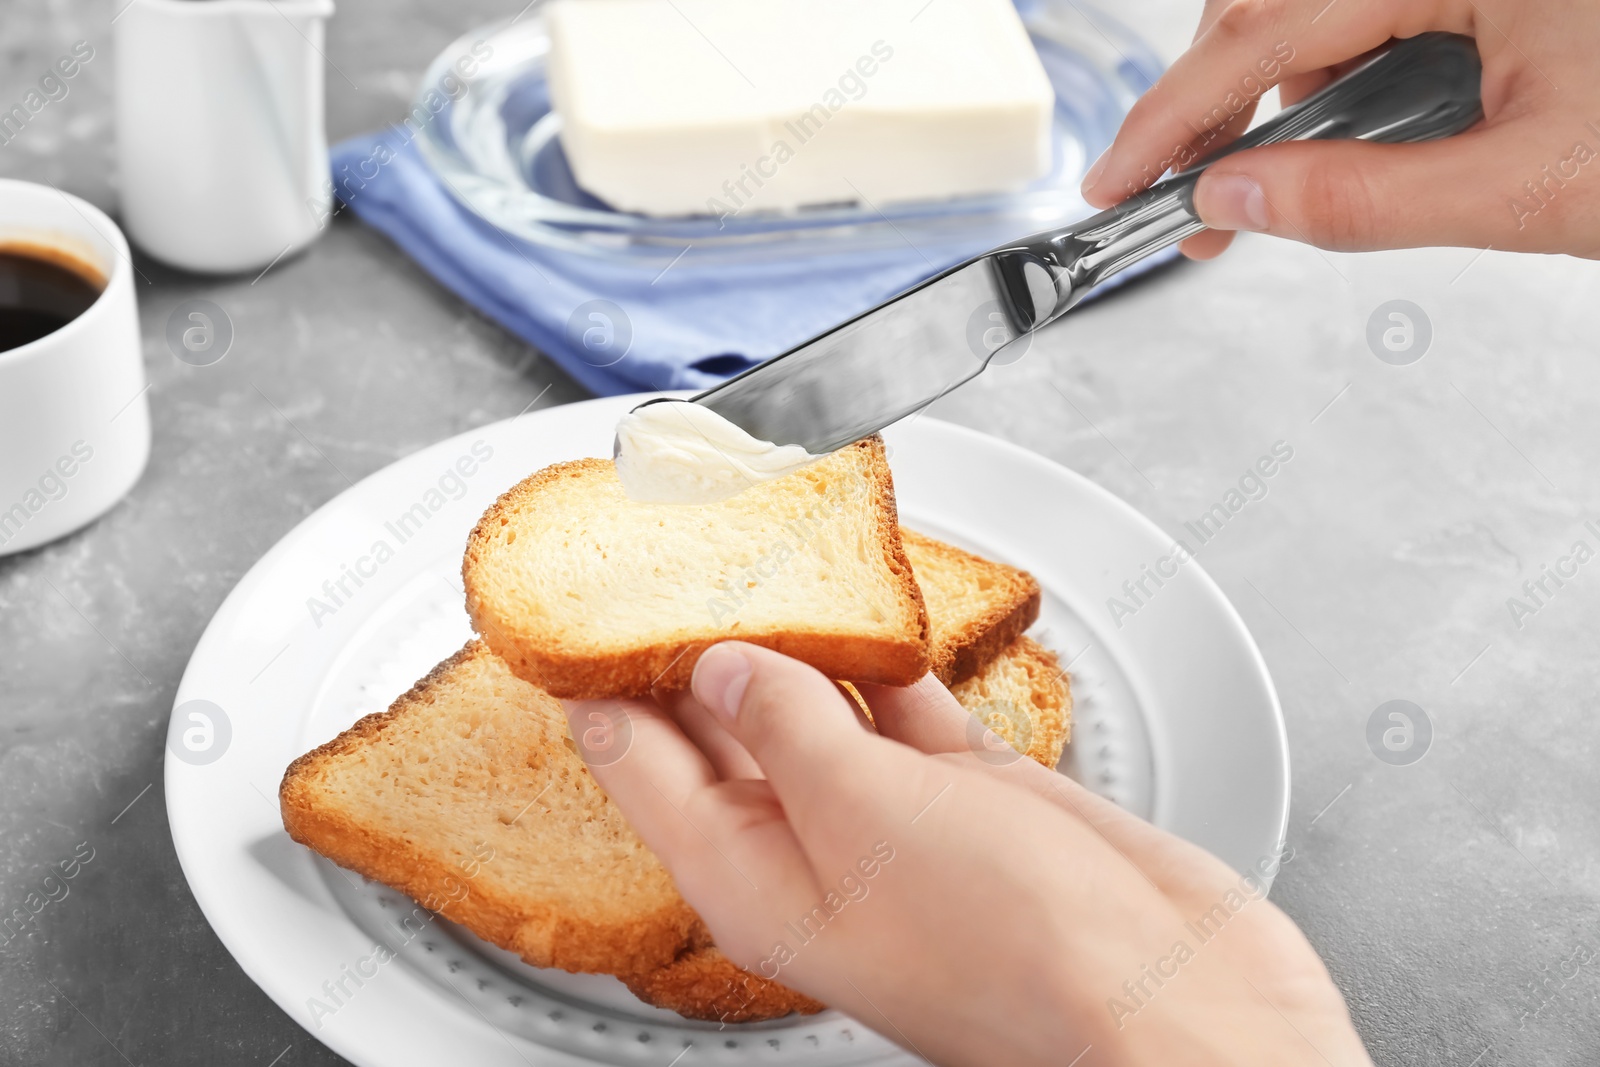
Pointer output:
x,y
74,421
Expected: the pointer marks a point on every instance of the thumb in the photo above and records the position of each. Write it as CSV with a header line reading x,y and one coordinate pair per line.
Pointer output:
x,y
1354,195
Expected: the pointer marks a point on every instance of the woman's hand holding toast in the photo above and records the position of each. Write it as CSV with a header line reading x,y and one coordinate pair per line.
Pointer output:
x,y
975,911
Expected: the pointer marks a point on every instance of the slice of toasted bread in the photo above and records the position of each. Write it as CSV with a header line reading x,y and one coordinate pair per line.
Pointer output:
x,y
976,607
1024,697
588,594
467,796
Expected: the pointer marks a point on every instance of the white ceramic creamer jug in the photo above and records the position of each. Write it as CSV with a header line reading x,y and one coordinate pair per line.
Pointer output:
x,y
220,139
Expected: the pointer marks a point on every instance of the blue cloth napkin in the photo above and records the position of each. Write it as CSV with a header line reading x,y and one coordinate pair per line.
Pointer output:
x,y
691,327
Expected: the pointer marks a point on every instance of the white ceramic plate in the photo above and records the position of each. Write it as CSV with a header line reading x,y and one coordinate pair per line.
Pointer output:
x,y
1176,719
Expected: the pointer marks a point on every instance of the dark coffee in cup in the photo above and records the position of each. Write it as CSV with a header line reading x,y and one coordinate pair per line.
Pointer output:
x,y
41,290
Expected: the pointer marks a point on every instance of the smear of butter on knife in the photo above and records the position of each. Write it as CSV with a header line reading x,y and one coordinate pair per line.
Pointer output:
x,y
676,452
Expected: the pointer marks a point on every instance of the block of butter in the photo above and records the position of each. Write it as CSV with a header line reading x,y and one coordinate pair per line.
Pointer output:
x,y
725,107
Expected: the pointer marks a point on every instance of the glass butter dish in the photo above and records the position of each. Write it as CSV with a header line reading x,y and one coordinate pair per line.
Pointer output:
x,y
486,129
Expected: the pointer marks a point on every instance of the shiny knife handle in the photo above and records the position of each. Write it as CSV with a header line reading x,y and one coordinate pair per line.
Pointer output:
x,y
1418,89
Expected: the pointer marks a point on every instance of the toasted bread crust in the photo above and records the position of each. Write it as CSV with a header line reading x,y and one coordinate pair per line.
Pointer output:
x,y
973,656
589,674
542,935
960,655
702,983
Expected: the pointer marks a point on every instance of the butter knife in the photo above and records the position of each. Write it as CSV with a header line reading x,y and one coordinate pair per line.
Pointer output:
x,y
907,352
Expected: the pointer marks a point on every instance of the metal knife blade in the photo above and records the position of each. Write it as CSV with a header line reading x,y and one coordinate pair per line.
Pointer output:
x,y
876,368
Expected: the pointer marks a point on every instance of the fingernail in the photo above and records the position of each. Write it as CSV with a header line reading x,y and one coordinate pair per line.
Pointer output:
x,y
1231,202
719,681
1096,169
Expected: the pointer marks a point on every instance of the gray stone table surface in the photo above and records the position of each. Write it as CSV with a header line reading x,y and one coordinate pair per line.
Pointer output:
x,y
1454,899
